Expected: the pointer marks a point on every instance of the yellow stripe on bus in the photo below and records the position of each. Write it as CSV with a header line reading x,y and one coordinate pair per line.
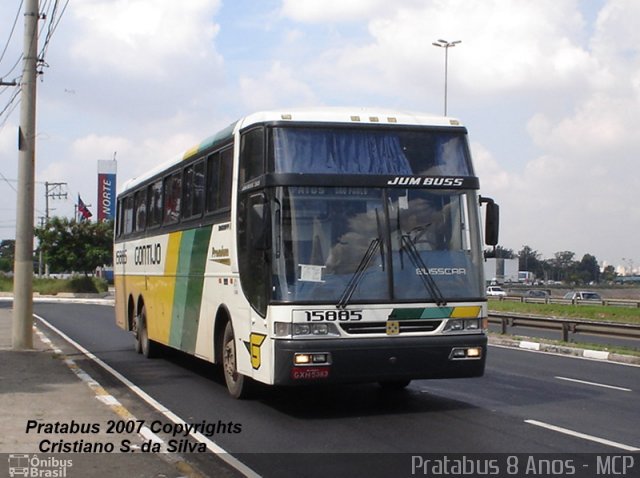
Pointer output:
x,y
467,312
161,291
190,152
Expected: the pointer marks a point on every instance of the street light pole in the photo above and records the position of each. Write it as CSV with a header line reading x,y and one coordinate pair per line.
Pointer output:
x,y
22,337
446,45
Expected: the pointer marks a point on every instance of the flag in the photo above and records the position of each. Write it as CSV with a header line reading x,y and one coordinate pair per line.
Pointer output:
x,y
83,210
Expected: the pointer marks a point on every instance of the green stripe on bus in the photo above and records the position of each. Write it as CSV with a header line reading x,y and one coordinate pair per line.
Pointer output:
x,y
421,313
188,290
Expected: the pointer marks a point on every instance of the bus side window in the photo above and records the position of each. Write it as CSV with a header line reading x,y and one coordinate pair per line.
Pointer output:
x,y
140,210
172,198
213,173
251,155
226,166
218,194
119,218
198,188
128,215
154,197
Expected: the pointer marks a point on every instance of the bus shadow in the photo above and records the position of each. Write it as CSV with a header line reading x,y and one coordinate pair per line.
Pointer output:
x,y
324,401
342,401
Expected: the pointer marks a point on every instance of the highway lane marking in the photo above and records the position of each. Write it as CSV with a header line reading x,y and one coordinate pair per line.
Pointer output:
x,y
211,446
584,436
557,354
595,384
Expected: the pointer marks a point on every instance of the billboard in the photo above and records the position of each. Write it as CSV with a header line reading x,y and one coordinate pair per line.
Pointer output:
x,y
107,189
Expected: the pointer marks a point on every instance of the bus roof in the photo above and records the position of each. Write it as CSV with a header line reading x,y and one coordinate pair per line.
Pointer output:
x,y
334,115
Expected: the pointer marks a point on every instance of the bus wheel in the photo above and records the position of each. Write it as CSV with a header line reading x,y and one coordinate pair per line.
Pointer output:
x,y
147,346
136,334
394,384
237,384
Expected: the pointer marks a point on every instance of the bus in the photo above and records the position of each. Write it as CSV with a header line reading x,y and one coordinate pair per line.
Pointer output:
x,y
312,246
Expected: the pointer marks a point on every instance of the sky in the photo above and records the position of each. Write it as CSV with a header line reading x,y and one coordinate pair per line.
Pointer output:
x,y
549,91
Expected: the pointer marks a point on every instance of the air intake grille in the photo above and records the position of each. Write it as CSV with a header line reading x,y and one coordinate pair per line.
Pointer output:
x,y
381,327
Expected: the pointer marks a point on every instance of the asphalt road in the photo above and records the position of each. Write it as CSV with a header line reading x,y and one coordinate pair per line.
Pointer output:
x,y
526,403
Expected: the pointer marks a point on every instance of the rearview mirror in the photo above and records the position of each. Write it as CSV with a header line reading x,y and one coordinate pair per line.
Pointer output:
x,y
492,221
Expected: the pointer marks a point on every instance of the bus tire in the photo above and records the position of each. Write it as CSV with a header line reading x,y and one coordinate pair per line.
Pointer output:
x,y
237,384
136,334
394,385
148,347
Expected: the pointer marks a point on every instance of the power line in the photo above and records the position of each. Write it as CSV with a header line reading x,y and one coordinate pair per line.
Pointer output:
x,y
8,108
13,98
15,22
53,26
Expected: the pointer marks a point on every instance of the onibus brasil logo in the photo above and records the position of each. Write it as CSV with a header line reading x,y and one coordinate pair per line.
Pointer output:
x,y
21,464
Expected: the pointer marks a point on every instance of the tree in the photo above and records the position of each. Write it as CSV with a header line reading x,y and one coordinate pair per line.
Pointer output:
x,y
529,260
563,266
7,254
500,253
609,274
588,270
72,246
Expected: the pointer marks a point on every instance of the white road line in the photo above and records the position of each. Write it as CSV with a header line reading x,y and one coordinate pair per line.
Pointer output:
x,y
219,451
558,354
595,384
584,436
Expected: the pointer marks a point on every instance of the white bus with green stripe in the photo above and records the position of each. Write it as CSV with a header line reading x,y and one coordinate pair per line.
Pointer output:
x,y
311,246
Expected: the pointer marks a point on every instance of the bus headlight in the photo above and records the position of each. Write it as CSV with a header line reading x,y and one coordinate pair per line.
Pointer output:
x,y
460,325
303,330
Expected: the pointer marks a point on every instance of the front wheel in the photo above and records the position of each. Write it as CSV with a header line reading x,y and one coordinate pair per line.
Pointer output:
x,y
237,384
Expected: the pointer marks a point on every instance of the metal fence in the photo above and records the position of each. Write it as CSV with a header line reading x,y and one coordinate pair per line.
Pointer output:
x,y
566,325
631,303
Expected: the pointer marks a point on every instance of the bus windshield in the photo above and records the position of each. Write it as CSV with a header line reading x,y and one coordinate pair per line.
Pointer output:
x,y
387,151
392,239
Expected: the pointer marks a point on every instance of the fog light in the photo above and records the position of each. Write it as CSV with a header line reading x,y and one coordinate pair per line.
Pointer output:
x,y
302,359
315,358
466,353
474,352
319,358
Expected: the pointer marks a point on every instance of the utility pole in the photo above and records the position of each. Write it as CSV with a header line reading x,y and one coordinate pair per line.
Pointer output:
x,y
23,267
53,191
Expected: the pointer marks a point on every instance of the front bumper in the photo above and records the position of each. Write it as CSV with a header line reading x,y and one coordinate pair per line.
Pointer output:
x,y
379,359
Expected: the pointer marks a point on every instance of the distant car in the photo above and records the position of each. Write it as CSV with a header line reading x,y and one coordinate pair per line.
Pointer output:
x,y
582,295
495,291
537,293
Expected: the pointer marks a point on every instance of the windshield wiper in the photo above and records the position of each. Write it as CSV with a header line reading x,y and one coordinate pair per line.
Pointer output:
x,y
359,273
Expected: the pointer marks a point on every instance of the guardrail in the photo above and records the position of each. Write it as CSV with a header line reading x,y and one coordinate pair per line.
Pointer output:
x,y
566,325
557,300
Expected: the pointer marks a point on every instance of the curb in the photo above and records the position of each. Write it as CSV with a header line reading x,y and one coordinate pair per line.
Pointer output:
x,y
532,345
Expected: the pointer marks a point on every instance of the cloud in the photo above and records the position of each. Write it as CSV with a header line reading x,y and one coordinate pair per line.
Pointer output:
x,y
143,38
319,11
278,87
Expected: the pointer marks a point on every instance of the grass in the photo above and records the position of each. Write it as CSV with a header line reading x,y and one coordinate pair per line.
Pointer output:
x,y
600,313
76,284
